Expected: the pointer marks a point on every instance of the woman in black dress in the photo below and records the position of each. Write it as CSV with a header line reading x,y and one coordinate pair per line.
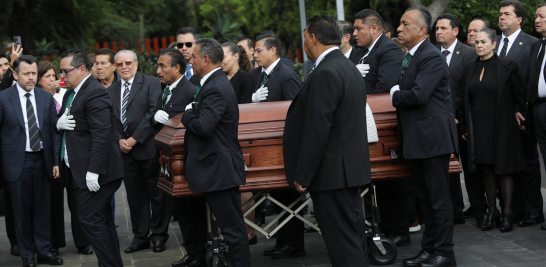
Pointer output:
x,y
237,67
492,88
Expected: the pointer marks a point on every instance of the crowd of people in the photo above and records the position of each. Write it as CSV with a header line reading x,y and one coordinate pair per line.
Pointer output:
x,y
484,102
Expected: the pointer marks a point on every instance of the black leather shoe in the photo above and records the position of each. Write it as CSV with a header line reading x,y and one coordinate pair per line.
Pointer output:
x,y
288,252
197,262
532,219
507,224
159,246
184,261
85,250
137,247
15,251
480,219
50,259
518,216
269,251
440,261
253,241
417,260
491,220
54,251
29,262
401,241
543,227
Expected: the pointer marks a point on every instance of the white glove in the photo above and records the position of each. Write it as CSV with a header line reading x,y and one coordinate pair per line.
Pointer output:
x,y
92,181
260,95
161,117
66,122
394,89
363,68
188,107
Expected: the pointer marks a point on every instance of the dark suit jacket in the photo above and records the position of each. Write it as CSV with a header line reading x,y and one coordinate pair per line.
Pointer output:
x,y
283,83
305,69
144,97
356,54
325,135
243,84
424,106
7,80
93,145
13,133
520,52
195,80
461,55
213,156
532,91
385,60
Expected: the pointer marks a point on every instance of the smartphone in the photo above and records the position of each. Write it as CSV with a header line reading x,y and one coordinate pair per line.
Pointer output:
x,y
17,41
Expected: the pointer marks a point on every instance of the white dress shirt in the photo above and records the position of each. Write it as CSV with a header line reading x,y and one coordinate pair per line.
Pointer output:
x,y
451,49
172,87
204,79
123,82
23,99
511,40
371,47
321,57
348,54
541,82
271,67
75,93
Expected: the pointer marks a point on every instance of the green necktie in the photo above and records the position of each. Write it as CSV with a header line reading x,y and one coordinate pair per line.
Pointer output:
x,y
364,56
166,93
70,98
266,76
197,92
406,61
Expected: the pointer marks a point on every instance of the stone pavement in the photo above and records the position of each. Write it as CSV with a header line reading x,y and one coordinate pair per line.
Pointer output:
x,y
521,247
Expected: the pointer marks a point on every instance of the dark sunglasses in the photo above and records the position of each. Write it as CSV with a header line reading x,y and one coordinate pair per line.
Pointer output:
x,y
188,44
127,63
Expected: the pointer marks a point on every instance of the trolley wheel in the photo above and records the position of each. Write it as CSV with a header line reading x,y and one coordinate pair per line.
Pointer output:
x,y
389,257
216,262
210,257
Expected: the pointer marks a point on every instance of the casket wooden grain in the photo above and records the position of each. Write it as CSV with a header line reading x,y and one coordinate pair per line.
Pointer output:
x,y
260,135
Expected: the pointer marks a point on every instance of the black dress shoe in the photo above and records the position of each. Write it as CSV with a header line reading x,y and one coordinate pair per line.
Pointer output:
x,y
253,241
197,262
137,247
288,252
519,216
54,251
85,250
50,259
440,261
269,251
532,219
401,241
507,224
543,227
29,262
491,220
159,246
184,261
480,219
417,260
15,251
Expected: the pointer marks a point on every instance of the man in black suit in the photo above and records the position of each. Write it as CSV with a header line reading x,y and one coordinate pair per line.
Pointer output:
x,y
380,62
457,55
473,28
135,100
427,134
214,162
29,159
274,80
185,42
90,156
347,46
315,157
516,45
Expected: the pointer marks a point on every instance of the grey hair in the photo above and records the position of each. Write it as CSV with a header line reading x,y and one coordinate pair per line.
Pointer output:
x,y
126,51
425,17
211,48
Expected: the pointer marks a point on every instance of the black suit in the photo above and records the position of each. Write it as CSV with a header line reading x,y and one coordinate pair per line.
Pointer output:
x,y
93,147
384,60
326,150
283,83
195,80
427,136
7,80
243,84
214,162
356,54
527,196
142,162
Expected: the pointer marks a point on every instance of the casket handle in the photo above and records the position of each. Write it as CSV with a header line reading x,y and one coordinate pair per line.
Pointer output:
x,y
393,155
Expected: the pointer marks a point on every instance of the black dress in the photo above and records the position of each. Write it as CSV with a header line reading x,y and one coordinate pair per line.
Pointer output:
x,y
483,95
243,84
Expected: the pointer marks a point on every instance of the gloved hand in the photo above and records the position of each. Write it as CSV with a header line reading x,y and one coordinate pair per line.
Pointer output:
x,y
161,117
260,95
188,107
363,68
394,89
66,122
92,181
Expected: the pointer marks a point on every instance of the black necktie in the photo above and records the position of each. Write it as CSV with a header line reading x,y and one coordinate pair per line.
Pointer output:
x,y
124,107
535,79
33,131
504,47
445,52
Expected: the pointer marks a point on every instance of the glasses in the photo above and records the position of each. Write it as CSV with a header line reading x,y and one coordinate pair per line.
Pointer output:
x,y
65,72
187,44
127,63
257,51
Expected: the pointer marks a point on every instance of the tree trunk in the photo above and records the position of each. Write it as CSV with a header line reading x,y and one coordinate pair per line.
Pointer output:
x,y
436,8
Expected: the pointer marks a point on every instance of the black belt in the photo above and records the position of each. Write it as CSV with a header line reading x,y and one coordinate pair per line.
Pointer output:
x,y
540,101
33,152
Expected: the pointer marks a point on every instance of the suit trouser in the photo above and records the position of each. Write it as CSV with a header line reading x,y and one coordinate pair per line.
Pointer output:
x,y
192,218
432,179
57,215
456,194
30,196
80,239
142,193
473,181
226,206
361,225
9,217
291,234
334,210
392,199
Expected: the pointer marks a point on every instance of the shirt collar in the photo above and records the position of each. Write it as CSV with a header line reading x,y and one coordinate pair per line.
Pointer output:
x,y
22,91
321,57
204,79
271,67
123,82
173,85
451,48
414,49
80,84
512,37
348,54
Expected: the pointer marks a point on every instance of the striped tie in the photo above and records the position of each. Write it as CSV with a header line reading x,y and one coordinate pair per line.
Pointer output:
x,y
124,108
33,131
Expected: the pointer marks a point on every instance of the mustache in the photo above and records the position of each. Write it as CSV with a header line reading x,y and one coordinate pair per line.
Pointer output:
x,y
160,76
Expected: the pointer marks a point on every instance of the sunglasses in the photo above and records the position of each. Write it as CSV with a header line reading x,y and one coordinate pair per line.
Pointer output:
x,y
127,63
65,72
188,44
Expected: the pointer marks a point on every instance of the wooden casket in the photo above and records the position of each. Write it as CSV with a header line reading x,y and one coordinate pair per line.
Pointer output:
x,y
261,129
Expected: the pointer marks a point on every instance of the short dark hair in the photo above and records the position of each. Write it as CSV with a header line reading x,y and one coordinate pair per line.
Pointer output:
x,y
79,58
453,20
106,51
426,17
347,28
24,58
543,4
211,48
491,34
186,30
519,8
387,27
370,16
271,40
249,42
486,23
264,32
177,58
4,56
325,28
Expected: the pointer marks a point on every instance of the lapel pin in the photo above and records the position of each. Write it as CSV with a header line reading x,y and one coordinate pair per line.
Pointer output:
x,y
520,43
457,52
